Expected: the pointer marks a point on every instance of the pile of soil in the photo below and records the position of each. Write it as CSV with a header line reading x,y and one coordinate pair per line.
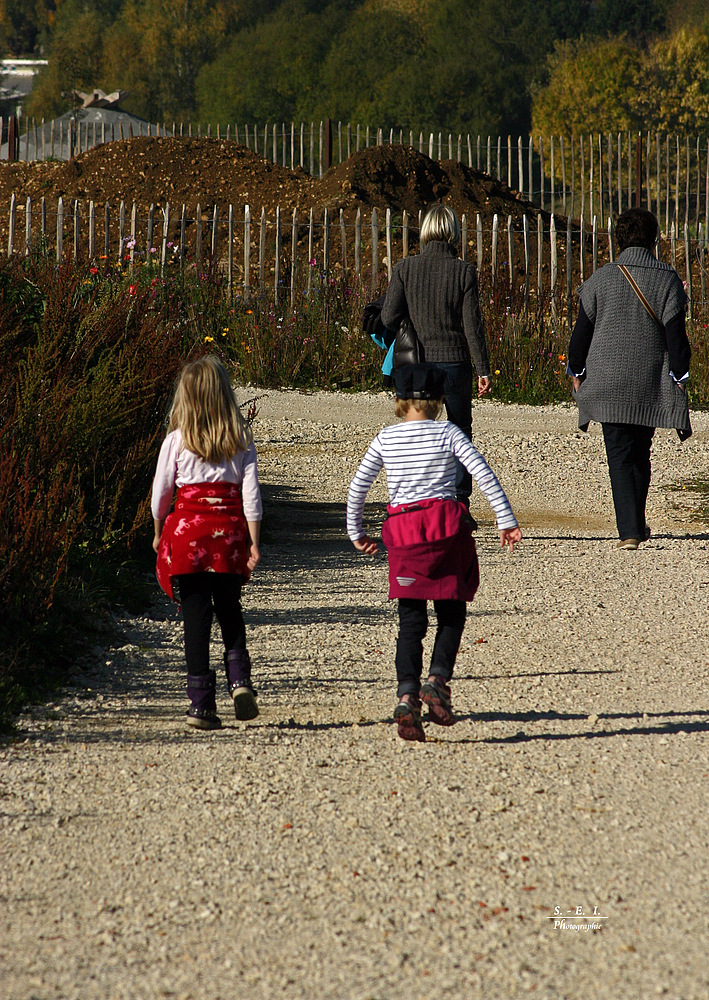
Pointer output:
x,y
220,172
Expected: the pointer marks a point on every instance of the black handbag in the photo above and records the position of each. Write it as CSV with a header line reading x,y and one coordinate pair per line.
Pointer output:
x,y
408,349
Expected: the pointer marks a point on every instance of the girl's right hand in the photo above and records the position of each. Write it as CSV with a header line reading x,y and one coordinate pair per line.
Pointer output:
x,y
254,557
510,536
366,545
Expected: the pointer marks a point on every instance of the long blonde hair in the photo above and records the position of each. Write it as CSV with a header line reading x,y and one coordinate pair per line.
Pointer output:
x,y
206,412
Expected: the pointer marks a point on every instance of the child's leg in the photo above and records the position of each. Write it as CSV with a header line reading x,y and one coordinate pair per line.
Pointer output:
x,y
413,623
196,600
451,622
436,692
226,591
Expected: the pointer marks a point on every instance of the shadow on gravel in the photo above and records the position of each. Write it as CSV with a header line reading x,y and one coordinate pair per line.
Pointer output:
x,y
693,722
536,673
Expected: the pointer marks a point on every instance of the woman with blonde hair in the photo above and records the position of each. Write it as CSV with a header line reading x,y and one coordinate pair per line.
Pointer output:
x,y
438,292
208,546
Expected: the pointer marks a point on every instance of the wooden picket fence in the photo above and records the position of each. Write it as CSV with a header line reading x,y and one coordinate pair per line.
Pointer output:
x,y
596,174
284,255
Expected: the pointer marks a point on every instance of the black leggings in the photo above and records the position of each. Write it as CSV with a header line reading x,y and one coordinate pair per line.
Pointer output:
x,y
413,625
200,595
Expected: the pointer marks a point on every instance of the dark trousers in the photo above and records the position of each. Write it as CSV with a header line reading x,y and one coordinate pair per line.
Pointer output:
x,y
201,595
459,401
413,625
628,453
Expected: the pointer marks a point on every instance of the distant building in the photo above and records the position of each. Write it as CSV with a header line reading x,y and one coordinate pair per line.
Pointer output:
x,y
16,82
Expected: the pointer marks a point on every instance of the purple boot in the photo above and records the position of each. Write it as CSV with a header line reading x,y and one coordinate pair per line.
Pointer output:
x,y
237,663
202,713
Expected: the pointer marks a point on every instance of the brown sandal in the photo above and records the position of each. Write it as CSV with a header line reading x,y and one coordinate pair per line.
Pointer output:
x,y
437,695
408,716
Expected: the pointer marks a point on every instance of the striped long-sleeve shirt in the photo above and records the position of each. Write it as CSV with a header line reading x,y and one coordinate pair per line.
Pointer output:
x,y
419,459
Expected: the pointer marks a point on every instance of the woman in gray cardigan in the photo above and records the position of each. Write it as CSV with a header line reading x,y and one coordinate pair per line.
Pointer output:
x,y
629,362
439,293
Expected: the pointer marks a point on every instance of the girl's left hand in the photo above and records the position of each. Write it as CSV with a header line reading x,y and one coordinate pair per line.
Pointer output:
x,y
510,536
366,545
254,557
156,542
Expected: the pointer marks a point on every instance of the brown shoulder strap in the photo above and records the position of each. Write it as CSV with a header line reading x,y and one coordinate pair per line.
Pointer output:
x,y
636,288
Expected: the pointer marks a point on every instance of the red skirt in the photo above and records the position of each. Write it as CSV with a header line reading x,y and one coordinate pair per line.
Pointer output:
x,y
205,533
431,550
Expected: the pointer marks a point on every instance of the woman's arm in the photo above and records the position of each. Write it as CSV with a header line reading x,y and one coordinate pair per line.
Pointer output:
x,y
474,330
395,308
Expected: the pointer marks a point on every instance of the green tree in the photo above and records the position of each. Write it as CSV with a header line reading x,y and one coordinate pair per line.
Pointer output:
x,y
675,95
591,88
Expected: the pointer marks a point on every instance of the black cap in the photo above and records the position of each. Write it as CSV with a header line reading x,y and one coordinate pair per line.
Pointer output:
x,y
422,381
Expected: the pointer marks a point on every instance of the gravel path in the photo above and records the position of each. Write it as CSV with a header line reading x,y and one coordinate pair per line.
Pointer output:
x,y
312,854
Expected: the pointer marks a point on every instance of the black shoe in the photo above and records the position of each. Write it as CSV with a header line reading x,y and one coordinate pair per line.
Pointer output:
x,y
203,719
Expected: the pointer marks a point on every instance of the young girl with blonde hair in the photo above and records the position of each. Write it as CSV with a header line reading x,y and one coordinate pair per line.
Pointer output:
x,y
209,544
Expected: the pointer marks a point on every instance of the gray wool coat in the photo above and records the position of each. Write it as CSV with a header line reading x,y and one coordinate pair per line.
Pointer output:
x,y
627,366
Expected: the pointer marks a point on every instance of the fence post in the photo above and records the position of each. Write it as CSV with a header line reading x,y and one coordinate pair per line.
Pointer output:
x,y
121,231
554,269
43,217
358,243
388,242
594,243
639,170
375,251
493,260
511,251
552,167
540,252
28,226
470,151
293,256
702,276
582,250
611,241
688,270
312,149
60,229
106,232
310,254
11,226
463,237
230,254
530,166
133,231
277,263
562,153
569,271
405,233
198,240
165,235
525,229
479,238
509,161
343,241
520,167
262,252
183,237
92,231
541,172
247,252
75,252
149,235
326,243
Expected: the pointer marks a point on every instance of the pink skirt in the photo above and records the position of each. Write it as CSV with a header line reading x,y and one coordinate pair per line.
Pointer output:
x,y
205,533
431,550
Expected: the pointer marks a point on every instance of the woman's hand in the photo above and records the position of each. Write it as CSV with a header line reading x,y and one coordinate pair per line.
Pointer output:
x,y
366,545
510,536
484,385
254,557
576,383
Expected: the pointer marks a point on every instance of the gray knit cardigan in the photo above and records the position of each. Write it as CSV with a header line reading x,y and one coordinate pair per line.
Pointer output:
x,y
440,294
627,366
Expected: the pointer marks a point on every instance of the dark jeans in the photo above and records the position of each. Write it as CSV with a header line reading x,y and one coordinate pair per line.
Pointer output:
x,y
628,453
200,595
459,401
413,625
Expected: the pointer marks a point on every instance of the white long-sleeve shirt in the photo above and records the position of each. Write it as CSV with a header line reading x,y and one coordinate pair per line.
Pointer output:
x,y
419,459
179,467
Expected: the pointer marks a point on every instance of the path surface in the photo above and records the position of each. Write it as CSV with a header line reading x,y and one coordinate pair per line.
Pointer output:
x,y
312,854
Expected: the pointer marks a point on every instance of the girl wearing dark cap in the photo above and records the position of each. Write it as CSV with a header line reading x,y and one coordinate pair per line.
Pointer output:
x,y
428,537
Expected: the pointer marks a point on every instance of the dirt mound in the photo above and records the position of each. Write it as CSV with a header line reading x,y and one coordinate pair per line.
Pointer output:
x,y
220,172
400,178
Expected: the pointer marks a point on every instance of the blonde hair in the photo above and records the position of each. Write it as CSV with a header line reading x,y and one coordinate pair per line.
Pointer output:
x,y
440,224
206,413
431,407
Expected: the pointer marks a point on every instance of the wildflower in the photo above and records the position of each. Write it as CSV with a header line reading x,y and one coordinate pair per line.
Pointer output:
x,y
153,250
209,340
93,270
313,261
249,312
132,289
562,357
126,256
497,371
